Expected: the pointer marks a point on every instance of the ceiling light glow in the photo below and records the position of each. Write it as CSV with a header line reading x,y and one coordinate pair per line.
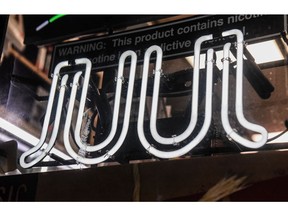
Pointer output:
x,y
264,52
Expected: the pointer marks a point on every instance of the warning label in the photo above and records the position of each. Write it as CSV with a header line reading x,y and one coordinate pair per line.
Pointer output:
x,y
175,39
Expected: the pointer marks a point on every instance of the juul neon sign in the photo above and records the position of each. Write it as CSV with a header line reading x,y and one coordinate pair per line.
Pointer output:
x,y
153,118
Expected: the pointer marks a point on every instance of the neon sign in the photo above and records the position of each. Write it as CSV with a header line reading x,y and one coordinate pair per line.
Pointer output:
x,y
74,85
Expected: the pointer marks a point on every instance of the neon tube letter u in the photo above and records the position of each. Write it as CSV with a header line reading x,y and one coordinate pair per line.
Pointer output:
x,y
56,77
208,109
112,133
195,93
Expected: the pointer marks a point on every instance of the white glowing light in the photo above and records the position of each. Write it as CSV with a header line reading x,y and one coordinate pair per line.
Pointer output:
x,y
47,118
199,61
202,60
195,94
262,52
267,51
27,137
125,127
116,103
208,106
42,25
239,96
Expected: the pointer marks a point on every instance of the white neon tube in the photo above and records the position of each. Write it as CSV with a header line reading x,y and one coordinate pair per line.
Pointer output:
x,y
71,103
27,137
54,132
42,25
46,119
239,88
125,127
83,98
118,91
207,120
195,91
